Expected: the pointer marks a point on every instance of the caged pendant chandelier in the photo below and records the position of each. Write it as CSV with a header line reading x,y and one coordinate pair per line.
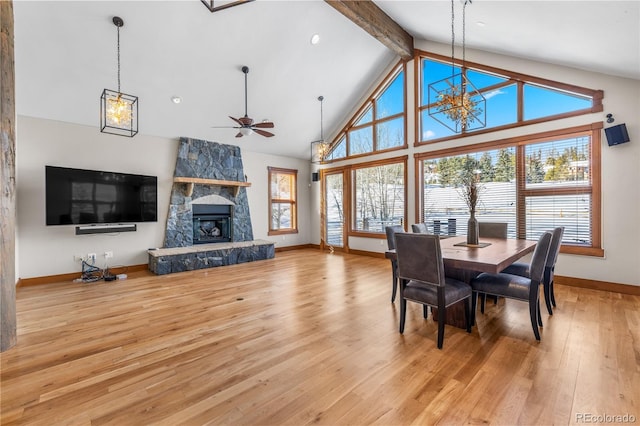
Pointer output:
x,y
118,111
454,101
319,148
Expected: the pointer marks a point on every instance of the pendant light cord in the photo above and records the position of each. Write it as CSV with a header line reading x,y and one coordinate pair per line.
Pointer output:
x,y
321,99
464,20
118,27
453,40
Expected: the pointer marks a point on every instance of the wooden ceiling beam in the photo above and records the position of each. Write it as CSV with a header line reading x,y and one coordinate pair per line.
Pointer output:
x,y
373,20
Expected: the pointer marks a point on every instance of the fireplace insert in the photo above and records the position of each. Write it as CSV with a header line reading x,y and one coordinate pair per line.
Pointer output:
x,y
212,223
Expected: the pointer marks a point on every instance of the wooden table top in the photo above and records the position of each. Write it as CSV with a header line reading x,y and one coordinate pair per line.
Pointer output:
x,y
493,258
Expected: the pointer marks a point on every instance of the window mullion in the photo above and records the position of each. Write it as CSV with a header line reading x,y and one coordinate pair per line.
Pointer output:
x,y
521,208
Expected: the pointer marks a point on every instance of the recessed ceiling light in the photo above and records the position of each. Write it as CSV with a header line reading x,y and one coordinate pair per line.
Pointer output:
x,y
315,39
176,99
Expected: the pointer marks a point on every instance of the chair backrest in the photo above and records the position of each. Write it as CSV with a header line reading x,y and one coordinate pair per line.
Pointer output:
x,y
420,228
554,249
539,259
492,229
420,258
391,232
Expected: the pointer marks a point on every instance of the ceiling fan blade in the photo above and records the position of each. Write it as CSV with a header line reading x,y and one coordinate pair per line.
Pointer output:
x,y
236,120
239,135
264,125
225,127
263,133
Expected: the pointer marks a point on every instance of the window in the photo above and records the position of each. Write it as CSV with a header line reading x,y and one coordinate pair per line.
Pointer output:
x,y
282,201
379,125
444,209
511,99
378,195
534,183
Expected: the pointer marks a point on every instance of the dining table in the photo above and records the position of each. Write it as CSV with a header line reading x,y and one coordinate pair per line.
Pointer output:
x,y
464,262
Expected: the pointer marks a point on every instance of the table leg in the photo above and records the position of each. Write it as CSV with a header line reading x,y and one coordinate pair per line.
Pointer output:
x,y
455,314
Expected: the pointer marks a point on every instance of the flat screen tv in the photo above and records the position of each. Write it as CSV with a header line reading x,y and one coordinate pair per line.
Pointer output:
x,y
80,197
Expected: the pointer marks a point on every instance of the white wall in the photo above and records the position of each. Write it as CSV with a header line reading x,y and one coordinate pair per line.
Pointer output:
x,y
49,250
620,164
255,167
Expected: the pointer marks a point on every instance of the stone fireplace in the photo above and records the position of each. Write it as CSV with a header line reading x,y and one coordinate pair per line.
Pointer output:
x,y
205,160
208,223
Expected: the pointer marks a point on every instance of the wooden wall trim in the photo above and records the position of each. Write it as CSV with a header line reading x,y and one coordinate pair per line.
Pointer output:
x,y
297,247
633,290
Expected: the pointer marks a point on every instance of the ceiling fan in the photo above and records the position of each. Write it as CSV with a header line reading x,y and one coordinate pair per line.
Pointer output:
x,y
245,124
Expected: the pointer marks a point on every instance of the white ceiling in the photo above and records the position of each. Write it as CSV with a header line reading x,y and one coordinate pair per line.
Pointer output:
x,y
65,54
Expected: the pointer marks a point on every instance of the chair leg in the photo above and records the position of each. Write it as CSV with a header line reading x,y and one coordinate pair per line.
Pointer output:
x,y
483,299
394,284
547,297
441,320
539,315
403,311
552,294
467,313
474,302
425,311
533,313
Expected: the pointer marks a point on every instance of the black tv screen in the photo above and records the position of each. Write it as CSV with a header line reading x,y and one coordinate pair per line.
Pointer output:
x,y
77,197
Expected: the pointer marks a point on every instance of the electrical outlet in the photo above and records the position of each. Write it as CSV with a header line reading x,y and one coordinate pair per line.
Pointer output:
x,y
91,257
78,257
108,254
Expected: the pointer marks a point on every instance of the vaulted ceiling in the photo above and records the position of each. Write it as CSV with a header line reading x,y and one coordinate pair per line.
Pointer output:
x,y
65,55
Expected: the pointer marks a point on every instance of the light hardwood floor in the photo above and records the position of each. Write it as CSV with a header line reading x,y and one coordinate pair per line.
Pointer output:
x,y
304,338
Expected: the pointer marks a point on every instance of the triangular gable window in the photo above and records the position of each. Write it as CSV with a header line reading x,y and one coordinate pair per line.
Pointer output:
x,y
379,125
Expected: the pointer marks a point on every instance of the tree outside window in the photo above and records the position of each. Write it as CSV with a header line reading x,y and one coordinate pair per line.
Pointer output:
x,y
379,193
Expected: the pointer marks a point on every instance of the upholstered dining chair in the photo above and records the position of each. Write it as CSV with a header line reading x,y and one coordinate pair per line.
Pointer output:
x,y
492,229
391,244
522,269
517,287
420,228
422,279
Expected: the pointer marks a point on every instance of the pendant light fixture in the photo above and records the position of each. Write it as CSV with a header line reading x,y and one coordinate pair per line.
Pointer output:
x,y
222,4
118,111
319,148
454,101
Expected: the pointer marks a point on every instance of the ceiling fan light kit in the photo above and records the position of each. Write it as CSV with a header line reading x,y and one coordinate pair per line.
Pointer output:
x,y
118,111
246,126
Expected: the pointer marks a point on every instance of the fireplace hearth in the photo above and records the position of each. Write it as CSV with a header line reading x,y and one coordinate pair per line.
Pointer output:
x,y
212,223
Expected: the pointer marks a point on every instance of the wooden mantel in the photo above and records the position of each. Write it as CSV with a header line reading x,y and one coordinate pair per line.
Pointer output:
x,y
190,181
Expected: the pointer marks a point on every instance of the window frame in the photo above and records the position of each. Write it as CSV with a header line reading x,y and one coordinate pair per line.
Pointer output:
x,y
292,201
351,169
512,77
370,104
593,130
